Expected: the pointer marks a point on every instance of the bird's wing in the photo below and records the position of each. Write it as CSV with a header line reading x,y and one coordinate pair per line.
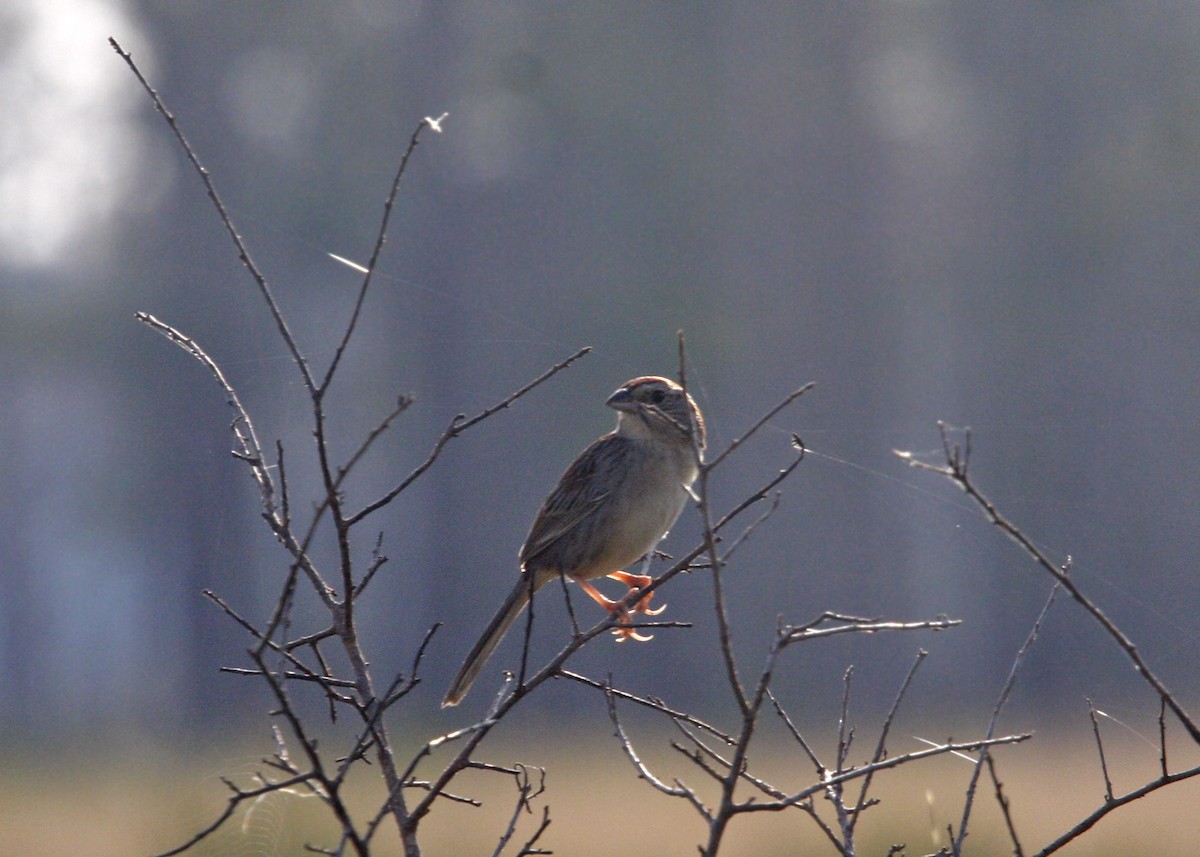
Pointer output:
x,y
579,493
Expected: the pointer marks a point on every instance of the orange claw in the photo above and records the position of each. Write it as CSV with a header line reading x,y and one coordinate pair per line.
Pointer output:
x,y
642,605
639,581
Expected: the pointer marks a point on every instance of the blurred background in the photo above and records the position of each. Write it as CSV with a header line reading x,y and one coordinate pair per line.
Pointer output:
x,y
979,213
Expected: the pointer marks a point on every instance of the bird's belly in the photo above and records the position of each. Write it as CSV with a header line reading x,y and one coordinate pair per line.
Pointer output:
x,y
635,530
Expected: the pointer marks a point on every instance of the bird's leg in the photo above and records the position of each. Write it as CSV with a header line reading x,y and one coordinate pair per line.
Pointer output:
x,y
633,581
638,582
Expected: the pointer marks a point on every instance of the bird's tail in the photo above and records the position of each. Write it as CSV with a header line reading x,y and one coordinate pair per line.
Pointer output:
x,y
492,635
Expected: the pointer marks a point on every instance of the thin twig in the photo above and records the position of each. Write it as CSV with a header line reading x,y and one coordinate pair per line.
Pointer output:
x,y
834,791
457,426
700,492
529,847
1018,661
377,250
1005,809
649,702
292,675
526,792
881,745
702,754
956,469
235,800
1162,737
249,449
678,790
1114,804
763,420
527,636
403,403
223,213
884,764
864,626
1108,789
745,534
274,646
569,602
329,787
795,733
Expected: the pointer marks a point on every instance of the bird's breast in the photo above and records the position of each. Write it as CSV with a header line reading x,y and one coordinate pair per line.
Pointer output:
x,y
640,510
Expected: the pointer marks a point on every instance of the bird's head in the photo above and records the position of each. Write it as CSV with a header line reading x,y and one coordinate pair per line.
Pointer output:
x,y
657,407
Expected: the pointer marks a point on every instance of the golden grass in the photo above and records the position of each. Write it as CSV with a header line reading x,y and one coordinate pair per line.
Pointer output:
x,y
137,804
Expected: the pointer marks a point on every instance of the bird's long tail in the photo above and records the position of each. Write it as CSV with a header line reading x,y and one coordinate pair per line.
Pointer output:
x,y
492,635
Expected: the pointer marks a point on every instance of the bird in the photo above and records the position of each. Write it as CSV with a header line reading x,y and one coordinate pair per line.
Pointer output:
x,y
609,509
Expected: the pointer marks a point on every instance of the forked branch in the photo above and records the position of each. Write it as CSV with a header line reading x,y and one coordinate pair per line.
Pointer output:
x,y
956,469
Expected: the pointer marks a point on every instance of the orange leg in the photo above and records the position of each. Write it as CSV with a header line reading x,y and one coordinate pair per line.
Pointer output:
x,y
639,581
634,582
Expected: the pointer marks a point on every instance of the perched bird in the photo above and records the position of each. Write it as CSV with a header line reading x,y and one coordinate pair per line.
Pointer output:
x,y
609,509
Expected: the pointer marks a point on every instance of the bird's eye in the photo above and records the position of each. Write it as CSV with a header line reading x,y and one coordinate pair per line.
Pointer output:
x,y
658,395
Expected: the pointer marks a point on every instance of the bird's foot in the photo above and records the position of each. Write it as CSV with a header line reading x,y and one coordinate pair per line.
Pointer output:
x,y
635,582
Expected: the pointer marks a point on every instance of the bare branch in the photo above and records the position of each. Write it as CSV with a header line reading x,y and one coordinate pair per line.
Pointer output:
x,y
678,790
249,449
956,469
526,792
1005,809
235,800
378,561
745,534
1018,661
763,420
1162,736
1108,789
285,651
795,732
1114,804
223,213
289,675
530,844
881,746
855,625
457,426
649,702
375,253
700,493
884,764
403,403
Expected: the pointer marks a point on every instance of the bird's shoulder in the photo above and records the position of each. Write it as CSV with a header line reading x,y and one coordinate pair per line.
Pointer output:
x,y
579,493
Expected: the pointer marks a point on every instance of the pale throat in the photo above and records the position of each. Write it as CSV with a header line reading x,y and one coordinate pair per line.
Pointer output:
x,y
634,427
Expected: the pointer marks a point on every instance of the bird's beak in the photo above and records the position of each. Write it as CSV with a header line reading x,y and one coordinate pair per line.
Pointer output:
x,y
622,400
